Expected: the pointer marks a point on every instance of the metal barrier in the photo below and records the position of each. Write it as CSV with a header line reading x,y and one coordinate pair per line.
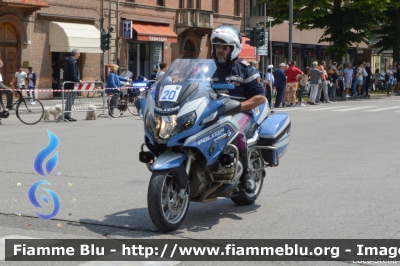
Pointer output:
x,y
92,98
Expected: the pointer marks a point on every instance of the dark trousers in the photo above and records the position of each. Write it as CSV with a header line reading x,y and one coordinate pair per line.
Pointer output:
x,y
367,84
8,92
280,93
70,95
354,86
341,88
268,91
302,88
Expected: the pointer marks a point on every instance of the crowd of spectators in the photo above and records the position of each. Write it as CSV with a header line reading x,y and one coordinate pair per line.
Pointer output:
x,y
323,84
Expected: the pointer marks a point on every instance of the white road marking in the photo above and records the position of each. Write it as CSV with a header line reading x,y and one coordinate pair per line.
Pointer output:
x,y
323,108
353,109
382,109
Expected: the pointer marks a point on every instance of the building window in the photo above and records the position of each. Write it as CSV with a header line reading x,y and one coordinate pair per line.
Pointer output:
x,y
215,6
189,3
181,3
236,7
161,2
198,4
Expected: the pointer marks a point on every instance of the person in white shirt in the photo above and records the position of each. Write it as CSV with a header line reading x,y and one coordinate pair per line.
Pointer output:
x,y
5,90
31,84
20,77
268,84
360,72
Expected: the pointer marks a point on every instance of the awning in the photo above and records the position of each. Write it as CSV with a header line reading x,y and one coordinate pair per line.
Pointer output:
x,y
248,52
64,37
154,33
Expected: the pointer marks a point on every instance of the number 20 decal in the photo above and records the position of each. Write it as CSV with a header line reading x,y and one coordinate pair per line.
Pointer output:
x,y
170,93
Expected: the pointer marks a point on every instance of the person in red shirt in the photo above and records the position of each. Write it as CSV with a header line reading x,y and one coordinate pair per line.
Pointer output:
x,y
291,82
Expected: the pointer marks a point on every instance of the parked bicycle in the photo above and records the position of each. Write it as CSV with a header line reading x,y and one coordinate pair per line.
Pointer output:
x,y
26,113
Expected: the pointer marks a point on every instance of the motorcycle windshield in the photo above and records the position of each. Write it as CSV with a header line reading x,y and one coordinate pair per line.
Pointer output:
x,y
186,80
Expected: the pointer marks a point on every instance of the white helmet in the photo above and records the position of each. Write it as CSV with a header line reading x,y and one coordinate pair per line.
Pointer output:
x,y
227,35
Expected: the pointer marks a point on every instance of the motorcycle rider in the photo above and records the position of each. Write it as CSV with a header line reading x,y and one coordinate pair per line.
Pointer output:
x,y
226,44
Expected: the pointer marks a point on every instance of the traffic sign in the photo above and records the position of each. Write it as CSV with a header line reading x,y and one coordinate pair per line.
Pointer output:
x,y
127,29
263,50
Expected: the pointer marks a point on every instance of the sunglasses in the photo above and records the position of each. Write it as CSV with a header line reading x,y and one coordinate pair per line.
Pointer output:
x,y
223,47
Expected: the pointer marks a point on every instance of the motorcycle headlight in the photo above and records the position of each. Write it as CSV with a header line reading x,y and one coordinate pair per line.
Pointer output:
x,y
185,122
152,123
168,124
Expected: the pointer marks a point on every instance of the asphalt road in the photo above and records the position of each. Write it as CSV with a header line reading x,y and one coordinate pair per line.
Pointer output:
x,y
339,179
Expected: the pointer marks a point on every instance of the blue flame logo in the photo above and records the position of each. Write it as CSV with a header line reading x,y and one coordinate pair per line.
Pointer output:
x,y
50,165
41,156
36,203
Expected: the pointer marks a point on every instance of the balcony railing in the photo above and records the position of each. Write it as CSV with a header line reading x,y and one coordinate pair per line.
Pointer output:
x,y
194,18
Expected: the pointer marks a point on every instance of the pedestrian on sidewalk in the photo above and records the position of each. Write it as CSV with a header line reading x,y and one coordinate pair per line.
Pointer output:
x,y
268,84
5,90
71,73
303,85
280,84
368,79
340,80
20,77
323,86
31,85
292,74
315,81
348,78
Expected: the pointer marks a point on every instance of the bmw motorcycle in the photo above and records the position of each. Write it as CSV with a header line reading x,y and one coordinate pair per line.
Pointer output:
x,y
190,138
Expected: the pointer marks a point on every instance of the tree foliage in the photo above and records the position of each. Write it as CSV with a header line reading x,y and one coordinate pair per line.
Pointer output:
x,y
345,23
388,32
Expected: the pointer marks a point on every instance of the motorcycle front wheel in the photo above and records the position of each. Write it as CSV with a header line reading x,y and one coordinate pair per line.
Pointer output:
x,y
167,205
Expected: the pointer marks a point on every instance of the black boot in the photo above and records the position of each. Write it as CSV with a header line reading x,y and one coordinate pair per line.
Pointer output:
x,y
246,178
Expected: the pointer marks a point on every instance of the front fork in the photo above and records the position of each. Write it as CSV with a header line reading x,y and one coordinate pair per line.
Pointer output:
x,y
182,171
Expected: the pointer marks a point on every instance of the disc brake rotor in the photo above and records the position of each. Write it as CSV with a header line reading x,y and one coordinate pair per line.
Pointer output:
x,y
173,211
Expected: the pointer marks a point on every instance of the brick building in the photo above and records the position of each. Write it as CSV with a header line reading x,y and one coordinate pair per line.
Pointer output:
x,y
164,30
41,33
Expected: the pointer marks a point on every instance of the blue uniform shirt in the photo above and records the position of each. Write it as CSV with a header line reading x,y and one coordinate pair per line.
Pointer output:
x,y
245,77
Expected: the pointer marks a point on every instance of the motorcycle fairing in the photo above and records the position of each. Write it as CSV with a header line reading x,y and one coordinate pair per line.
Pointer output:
x,y
168,160
149,136
210,141
203,108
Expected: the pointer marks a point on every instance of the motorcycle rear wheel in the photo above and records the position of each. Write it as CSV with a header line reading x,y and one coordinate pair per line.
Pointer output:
x,y
166,208
242,197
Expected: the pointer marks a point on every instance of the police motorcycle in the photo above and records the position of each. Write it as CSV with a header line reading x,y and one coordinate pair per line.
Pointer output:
x,y
189,142
135,88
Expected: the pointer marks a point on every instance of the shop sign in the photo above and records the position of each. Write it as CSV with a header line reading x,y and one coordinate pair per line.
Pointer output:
x,y
158,39
127,26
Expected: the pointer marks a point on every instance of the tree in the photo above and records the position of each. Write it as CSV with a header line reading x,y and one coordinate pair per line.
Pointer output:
x,y
388,33
346,23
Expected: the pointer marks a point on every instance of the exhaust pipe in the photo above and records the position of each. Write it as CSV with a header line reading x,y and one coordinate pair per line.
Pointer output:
x,y
209,191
